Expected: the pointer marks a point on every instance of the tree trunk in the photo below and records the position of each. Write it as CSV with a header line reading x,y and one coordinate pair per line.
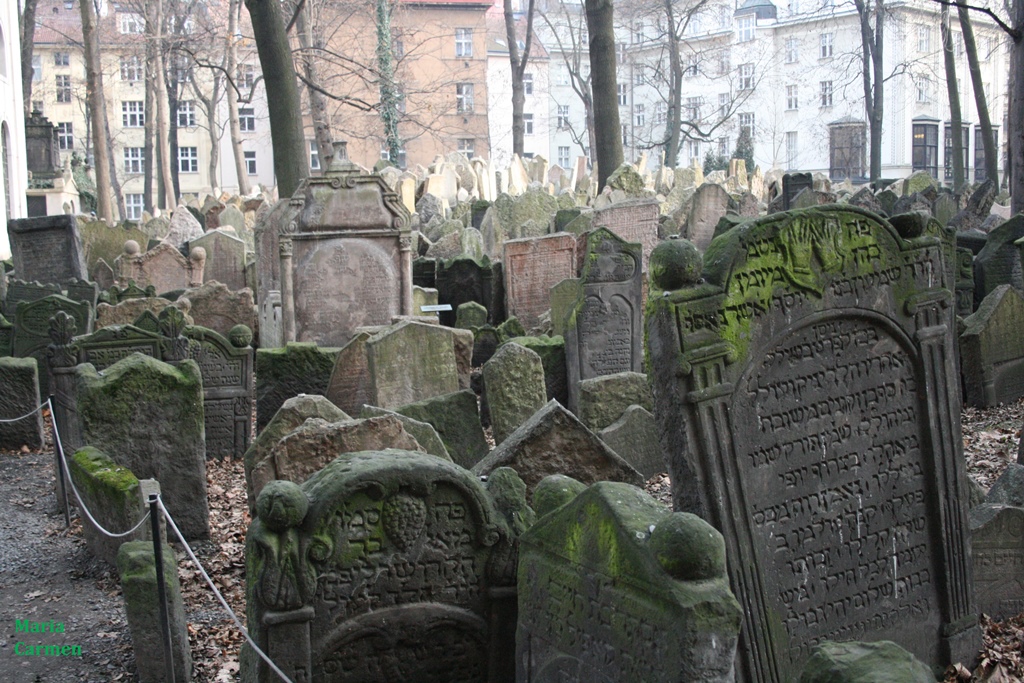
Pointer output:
x,y
607,132
674,121
1016,113
283,95
988,140
388,91
210,104
304,27
115,183
154,29
97,103
955,118
172,129
518,66
234,129
148,149
28,32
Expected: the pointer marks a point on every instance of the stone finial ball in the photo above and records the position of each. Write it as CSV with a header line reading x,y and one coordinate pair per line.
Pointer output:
x,y
281,504
688,548
554,491
675,263
131,247
240,336
197,254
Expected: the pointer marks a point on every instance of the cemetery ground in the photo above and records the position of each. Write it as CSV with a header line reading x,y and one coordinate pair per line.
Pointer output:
x,y
46,572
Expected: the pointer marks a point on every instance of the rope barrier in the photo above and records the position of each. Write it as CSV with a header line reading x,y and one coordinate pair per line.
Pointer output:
x,y
220,598
18,419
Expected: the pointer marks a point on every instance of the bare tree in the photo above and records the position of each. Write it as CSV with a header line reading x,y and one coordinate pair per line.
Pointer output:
x,y
607,131
981,102
566,33
97,104
155,35
873,77
311,40
518,63
28,31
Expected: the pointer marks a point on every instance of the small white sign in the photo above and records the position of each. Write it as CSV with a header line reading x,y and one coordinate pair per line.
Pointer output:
x,y
434,308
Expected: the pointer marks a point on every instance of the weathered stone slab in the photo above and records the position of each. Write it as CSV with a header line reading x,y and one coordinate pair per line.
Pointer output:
x,y
532,268
349,386
407,558
148,416
127,312
552,355
806,394
709,204
634,436
514,382
553,441
289,371
47,248
614,586
32,328
19,290
603,400
465,279
19,398
864,663
214,306
635,221
425,434
999,262
456,418
163,267
410,362
997,548
992,350
563,299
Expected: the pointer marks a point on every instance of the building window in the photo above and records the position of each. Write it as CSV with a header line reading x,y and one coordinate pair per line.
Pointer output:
x,y
464,98
661,112
792,51
924,89
625,136
188,160
37,68
623,97
980,173
463,42
563,157
562,75
723,146
466,147
958,44
528,124
926,148
825,50
791,150
826,93
65,135
745,28
747,124
638,31
314,156
965,139
134,159
132,69
792,99
527,84
692,108
724,105
846,150
746,77
63,84
133,114
246,119
638,115
246,77
250,163
924,38
638,75
691,66
132,23
61,59
133,206
186,114
563,116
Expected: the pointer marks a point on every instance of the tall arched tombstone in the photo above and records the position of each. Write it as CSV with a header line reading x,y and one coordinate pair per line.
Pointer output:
x,y
807,398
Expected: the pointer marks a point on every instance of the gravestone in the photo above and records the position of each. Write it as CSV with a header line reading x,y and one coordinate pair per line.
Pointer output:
x,y
349,385
552,355
215,306
383,566
346,260
614,586
47,248
992,350
463,280
32,329
633,221
82,290
19,290
289,371
225,258
514,385
634,436
184,227
127,312
603,333
710,202
409,362
792,185
563,298
148,417
603,400
163,267
999,262
456,418
19,398
532,267
997,548
806,392
964,282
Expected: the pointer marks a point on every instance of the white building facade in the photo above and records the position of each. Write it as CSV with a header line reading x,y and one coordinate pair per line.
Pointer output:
x,y
14,166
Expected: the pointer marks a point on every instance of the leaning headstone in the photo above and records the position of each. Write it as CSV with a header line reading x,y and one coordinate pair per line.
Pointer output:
x,y
552,356
47,248
136,565
964,282
553,441
349,384
634,436
289,371
805,392
409,362
19,398
992,350
709,204
425,434
999,262
997,549
603,400
603,333
633,221
148,417
383,566
532,268
456,418
470,315
514,382
614,586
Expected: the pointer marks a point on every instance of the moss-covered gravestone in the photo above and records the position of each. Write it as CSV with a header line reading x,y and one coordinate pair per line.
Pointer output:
x,y
992,350
148,417
614,586
410,362
807,395
289,371
514,381
456,417
383,566
19,398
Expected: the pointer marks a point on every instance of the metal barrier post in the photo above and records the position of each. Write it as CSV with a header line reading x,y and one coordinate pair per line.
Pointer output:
x,y
158,557
58,450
